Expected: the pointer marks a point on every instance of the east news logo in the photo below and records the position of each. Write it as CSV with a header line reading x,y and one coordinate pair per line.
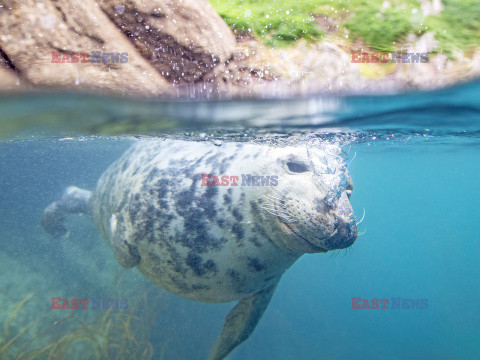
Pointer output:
x,y
96,303
392,57
396,303
233,180
94,57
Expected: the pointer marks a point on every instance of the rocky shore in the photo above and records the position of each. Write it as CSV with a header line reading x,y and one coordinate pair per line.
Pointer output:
x,y
179,48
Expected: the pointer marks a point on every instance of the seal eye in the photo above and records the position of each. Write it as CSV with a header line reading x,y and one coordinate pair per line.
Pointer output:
x,y
296,167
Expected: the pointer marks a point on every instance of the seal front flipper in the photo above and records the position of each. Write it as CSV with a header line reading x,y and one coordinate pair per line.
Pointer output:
x,y
73,201
241,321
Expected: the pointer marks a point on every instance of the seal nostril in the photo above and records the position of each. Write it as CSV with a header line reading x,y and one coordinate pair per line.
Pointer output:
x,y
349,186
345,233
352,219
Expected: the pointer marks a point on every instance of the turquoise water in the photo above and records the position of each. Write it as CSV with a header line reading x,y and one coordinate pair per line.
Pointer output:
x,y
421,241
416,175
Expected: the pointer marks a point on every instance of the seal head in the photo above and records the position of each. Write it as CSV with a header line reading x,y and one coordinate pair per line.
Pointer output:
x,y
310,207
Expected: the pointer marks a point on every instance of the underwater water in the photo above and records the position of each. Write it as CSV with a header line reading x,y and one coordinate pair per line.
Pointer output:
x,y
414,161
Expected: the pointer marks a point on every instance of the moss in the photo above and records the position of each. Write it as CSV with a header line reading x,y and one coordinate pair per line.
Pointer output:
x,y
277,23
458,26
379,26
383,29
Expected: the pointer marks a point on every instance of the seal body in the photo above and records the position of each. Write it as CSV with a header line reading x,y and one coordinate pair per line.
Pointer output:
x,y
171,209
206,243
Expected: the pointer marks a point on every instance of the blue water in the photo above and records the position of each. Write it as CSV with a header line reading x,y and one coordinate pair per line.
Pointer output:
x,y
421,241
419,188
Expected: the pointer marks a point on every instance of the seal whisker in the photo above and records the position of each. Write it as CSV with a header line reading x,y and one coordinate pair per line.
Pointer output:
x,y
294,194
271,197
282,213
274,188
289,222
275,192
334,254
277,209
348,151
279,213
287,216
283,192
289,192
364,231
278,193
363,217
293,227
270,212
354,156
270,206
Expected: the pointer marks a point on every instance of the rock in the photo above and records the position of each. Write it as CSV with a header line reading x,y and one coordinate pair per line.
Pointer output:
x,y
184,48
183,40
8,79
31,30
426,43
166,42
307,67
328,24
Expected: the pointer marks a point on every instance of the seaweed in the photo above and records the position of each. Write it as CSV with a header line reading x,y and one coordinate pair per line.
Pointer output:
x,y
114,335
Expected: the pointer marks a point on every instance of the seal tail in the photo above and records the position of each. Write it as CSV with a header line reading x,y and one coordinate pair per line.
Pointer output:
x,y
73,201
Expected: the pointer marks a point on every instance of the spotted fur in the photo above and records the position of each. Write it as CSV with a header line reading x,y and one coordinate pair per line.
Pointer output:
x,y
212,243
197,241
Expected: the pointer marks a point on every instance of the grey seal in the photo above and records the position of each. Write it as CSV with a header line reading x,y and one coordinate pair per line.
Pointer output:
x,y
170,209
